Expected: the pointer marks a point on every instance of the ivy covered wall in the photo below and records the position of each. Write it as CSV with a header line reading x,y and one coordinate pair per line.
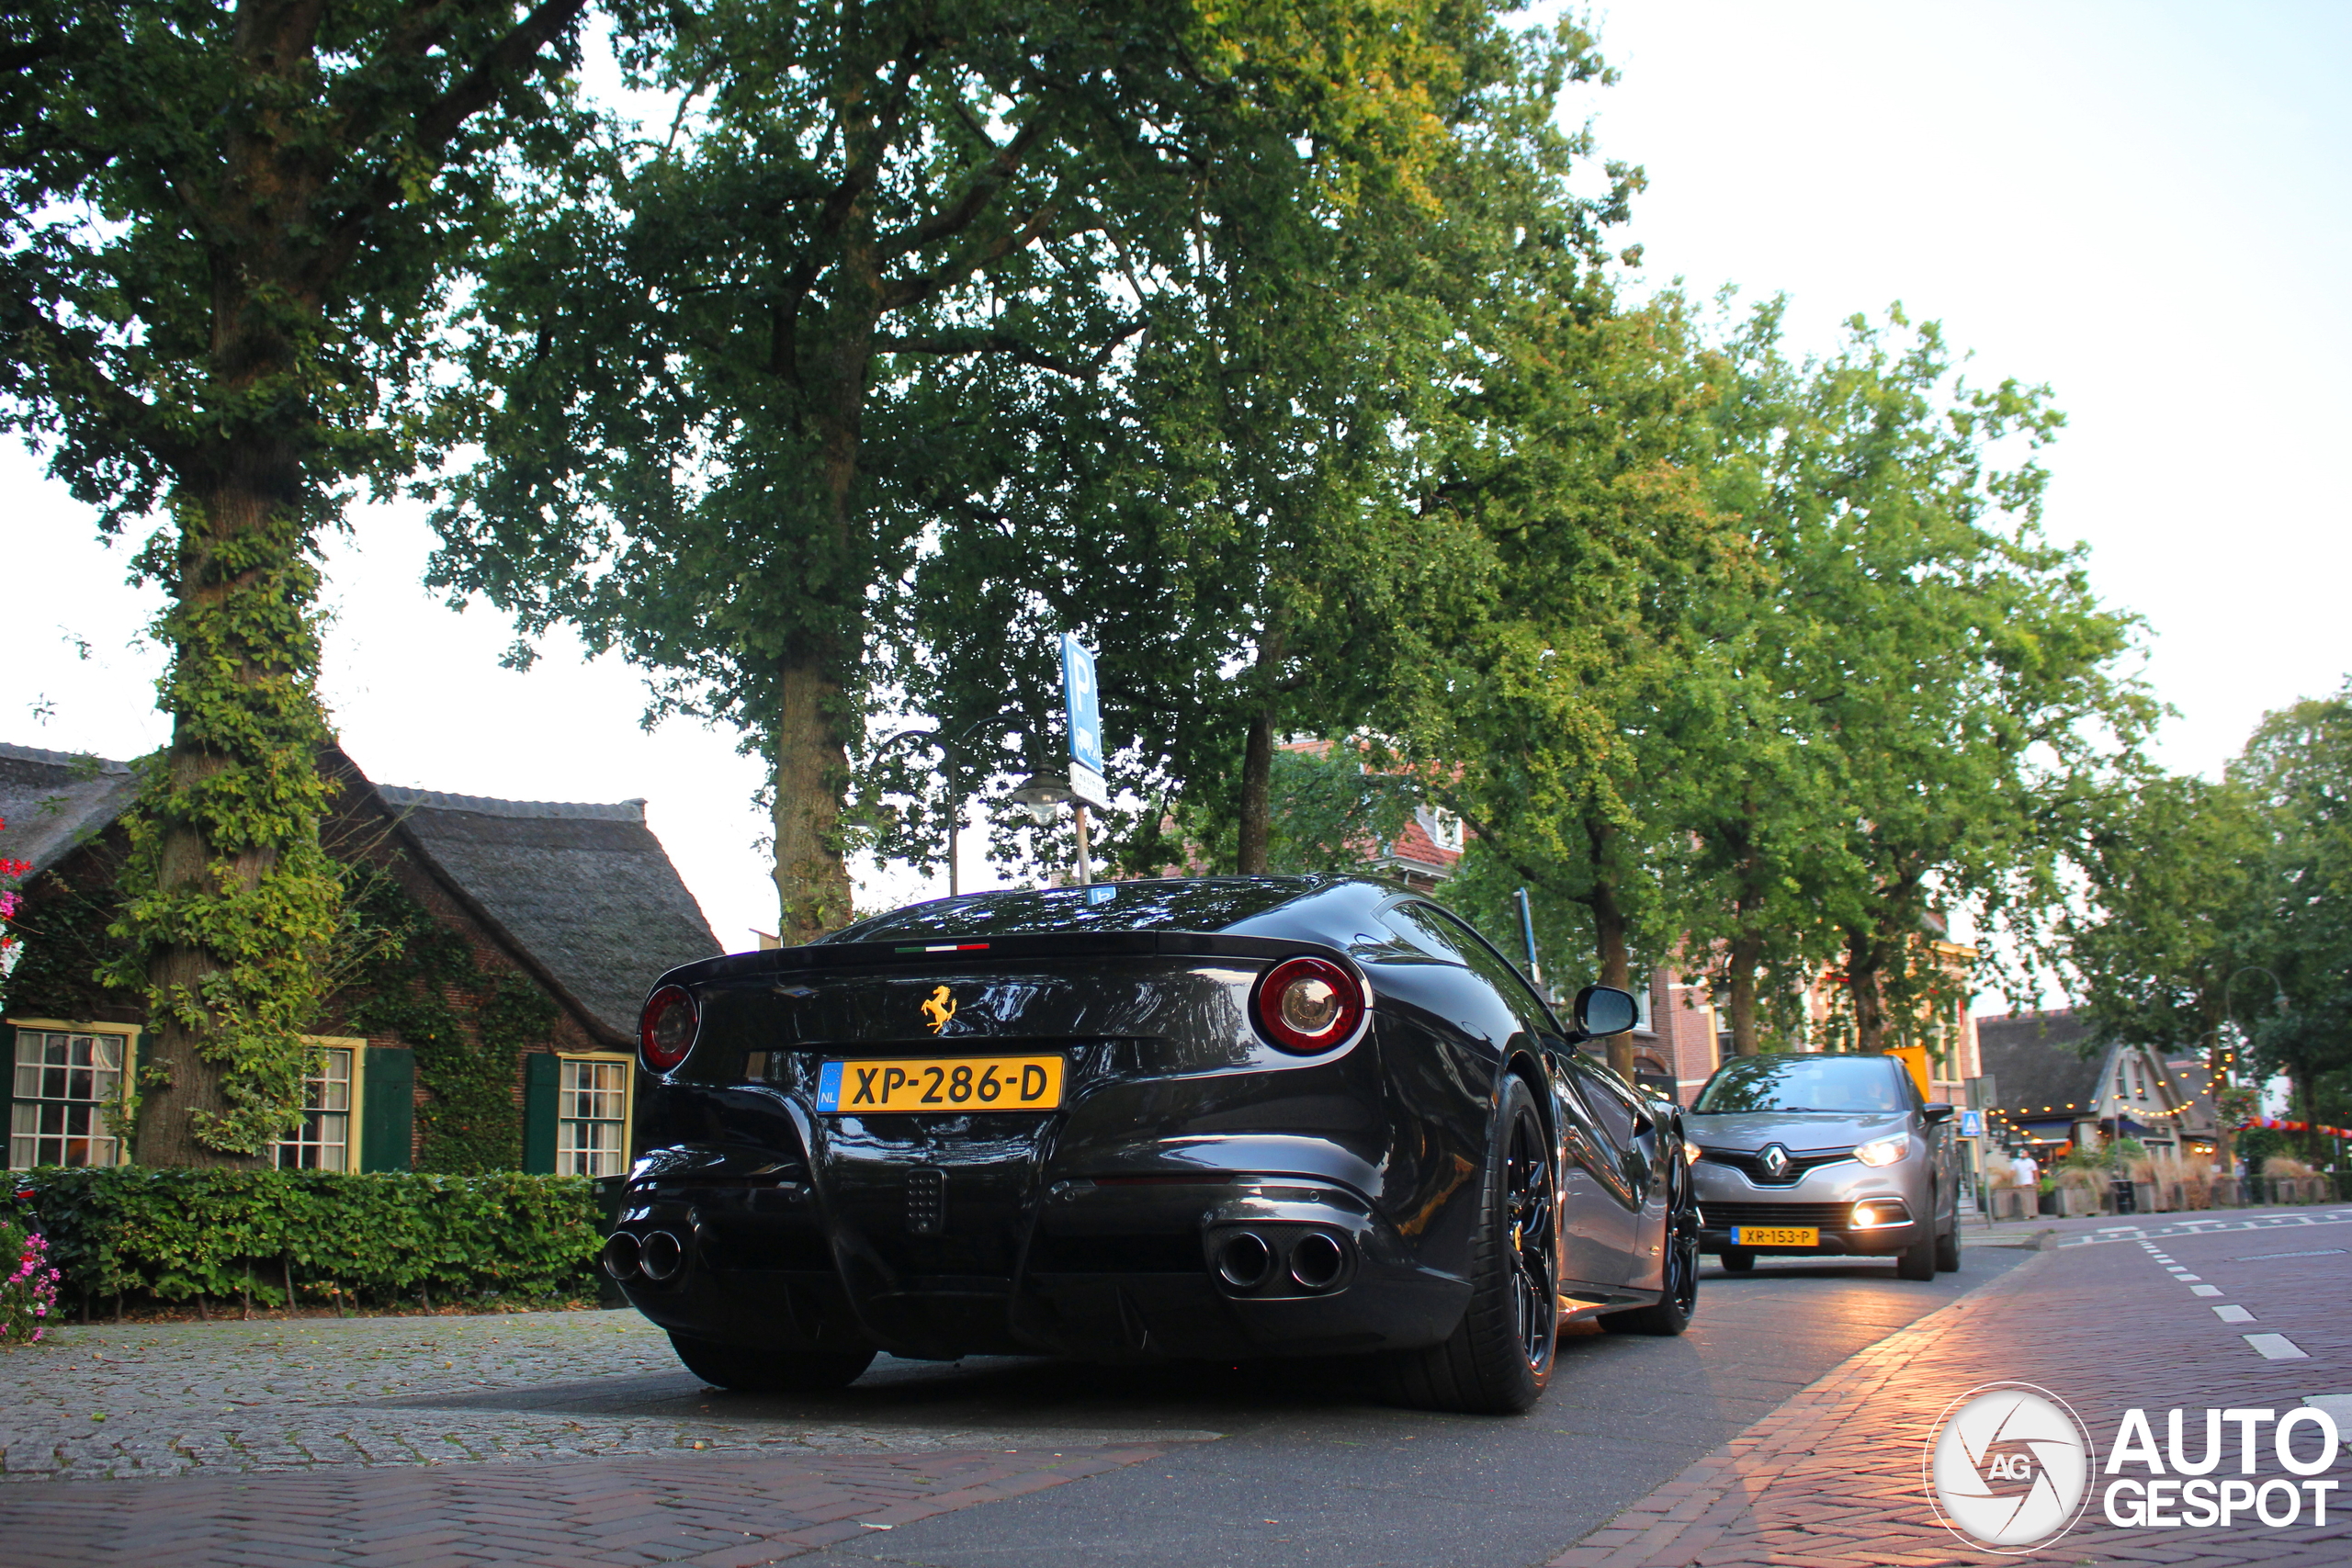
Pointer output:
x,y
422,982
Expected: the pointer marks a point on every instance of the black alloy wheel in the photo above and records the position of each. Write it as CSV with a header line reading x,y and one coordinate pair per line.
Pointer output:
x,y
1498,1358
1535,1294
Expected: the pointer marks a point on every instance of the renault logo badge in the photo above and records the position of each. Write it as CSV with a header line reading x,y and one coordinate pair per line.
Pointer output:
x,y
1776,1161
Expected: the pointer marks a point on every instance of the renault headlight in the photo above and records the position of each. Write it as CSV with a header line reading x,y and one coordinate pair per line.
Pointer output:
x,y
1882,1151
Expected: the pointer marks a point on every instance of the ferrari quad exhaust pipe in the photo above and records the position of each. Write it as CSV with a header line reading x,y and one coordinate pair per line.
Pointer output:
x,y
1317,1262
1245,1260
661,1257
621,1255
1282,1261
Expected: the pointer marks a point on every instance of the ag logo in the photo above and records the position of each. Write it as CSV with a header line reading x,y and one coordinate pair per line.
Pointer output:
x,y
2007,1467
939,1009
1775,1161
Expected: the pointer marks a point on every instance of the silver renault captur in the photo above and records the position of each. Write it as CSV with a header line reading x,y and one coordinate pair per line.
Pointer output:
x,y
1834,1156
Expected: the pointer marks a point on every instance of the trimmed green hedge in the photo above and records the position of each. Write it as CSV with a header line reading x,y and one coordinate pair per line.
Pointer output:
x,y
175,1235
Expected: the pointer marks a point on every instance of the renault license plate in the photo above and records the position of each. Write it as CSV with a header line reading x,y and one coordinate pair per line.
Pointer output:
x,y
947,1083
1775,1236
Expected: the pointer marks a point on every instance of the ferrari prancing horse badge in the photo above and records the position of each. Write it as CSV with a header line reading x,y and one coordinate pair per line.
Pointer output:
x,y
939,1009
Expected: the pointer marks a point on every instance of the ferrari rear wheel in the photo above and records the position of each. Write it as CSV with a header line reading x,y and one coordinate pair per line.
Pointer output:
x,y
749,1370
1499,1357
1948,1248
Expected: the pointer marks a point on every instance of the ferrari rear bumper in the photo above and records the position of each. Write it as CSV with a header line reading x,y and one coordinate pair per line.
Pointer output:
x,y
1209,1265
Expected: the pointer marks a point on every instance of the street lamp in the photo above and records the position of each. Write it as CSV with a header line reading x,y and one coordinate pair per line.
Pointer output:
x,y
952,751
1044,795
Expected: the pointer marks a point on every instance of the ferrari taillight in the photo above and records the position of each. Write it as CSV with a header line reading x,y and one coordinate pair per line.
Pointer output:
x,y
1309,1004
665,1032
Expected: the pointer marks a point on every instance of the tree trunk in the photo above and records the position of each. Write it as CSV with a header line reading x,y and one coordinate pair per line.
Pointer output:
x,y
1254,840
811,774
1254,831
812,722
1864,979
1609,926
1746,953
241,696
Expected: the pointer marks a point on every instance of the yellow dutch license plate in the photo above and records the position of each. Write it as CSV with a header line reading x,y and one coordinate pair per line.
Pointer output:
x,y
947,1083
1775,1236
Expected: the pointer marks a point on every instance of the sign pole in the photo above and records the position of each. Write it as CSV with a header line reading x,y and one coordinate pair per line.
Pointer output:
x,y
1083,709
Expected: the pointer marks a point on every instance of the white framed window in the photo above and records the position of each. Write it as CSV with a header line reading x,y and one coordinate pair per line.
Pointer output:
x,y
66,1079
591,1115
330,1100
1443,828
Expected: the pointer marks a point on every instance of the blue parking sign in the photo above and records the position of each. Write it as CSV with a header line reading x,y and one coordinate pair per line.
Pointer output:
x,y
1079,700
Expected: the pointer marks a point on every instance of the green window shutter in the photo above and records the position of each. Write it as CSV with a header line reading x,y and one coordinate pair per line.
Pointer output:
x,y
388,1116
540,1071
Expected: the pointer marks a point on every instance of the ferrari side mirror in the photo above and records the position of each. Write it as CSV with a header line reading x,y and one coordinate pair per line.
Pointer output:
x,y
1604,1009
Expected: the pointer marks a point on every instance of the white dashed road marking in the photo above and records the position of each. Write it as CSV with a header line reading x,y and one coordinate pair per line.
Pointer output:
x,y
2277,1347
2204,1290
2232,1314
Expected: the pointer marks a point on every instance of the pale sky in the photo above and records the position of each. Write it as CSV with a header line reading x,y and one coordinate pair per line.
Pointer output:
x,y
2144,205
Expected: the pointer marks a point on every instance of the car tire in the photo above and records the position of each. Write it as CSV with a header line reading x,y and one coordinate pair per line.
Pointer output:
x,y
1948,1249
748,1370
1737,1260
1497,1361
1916,1262
1671,1312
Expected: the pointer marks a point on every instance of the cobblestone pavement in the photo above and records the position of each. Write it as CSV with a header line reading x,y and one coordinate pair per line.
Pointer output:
x,y
2239,1310
410,1442
140,1402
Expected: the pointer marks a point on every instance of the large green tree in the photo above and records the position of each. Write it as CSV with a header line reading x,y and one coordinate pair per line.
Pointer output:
x,y
1552,732
740,373
1965,679
2297,767
2160,943
2216,916
225,230
1245,524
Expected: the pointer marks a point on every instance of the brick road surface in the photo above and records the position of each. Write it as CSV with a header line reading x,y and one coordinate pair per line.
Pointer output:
x,y
377,1430
2115,1316
721,1511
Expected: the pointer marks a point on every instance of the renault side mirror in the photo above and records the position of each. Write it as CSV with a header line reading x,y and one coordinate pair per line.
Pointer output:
x,y
1937,1112
1604,1010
